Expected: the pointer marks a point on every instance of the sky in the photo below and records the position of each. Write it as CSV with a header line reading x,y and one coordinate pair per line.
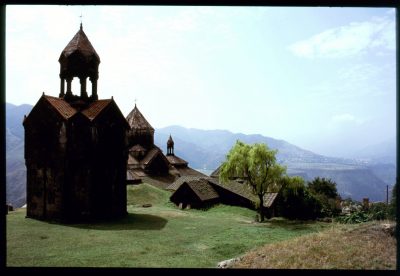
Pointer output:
x,y
323,79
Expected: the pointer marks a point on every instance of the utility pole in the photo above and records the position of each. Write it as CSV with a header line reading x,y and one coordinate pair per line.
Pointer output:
x,y
387,194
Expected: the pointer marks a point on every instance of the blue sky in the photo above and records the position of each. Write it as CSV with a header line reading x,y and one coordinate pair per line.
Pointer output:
x,y
321,78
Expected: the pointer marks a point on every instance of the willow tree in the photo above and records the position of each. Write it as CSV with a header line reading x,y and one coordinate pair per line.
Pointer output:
x,y
257,165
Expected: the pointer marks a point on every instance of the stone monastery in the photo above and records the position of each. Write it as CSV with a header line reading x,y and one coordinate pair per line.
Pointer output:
x,y
81,153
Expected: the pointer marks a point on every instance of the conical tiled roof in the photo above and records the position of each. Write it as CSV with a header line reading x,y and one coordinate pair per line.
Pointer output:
x,y
80,44
137,121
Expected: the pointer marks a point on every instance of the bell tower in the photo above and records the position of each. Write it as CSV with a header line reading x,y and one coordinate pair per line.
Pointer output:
x,y
170,146
79,59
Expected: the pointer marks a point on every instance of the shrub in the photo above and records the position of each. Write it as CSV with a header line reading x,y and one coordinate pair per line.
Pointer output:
x,y
393,204
323,186
326,193
356,217
297,202
378,211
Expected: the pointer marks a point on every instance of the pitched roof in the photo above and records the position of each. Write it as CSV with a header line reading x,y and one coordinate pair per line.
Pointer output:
x,y
130,175
245,191
189,171
61,106
143,163
235,187
269,199
81,44
133,161
137,121
216,172
135,174
202,189
136,148
67,111
180,180
95,108
175,160
150,156
232,186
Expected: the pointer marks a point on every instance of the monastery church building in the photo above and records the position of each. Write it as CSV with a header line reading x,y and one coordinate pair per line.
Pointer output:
x,y
81,152
75,146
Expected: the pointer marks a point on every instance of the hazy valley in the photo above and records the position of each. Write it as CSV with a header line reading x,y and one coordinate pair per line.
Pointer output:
x,y
206,149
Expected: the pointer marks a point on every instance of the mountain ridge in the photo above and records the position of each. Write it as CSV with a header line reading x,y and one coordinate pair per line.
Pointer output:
x,y
206,149
355,178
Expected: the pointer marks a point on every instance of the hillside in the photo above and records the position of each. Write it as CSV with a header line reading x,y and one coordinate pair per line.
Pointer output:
x,y
206,149
365,246
15,163
163,236
158,236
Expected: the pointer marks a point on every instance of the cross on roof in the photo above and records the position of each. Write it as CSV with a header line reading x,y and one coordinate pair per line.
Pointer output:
x,y
81,20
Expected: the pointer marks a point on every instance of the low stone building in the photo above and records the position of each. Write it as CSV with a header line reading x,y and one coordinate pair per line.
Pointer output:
x,y
197,193
187,190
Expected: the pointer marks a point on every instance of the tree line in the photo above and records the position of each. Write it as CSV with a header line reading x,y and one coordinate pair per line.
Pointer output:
x,y
319,198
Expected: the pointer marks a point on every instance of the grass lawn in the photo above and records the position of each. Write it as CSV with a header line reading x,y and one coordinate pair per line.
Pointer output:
x,y
158,236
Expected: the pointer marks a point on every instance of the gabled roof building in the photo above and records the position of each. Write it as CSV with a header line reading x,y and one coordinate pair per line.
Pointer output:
x,y
196,193
75,146
145,158
185,193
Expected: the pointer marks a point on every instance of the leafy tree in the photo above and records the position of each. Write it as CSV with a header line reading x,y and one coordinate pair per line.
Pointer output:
x,y
257,165
325,191
323,186
297,202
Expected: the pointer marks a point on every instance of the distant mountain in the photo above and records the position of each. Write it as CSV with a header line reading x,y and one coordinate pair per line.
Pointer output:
x,y
206,150
383,153
14,118
15,162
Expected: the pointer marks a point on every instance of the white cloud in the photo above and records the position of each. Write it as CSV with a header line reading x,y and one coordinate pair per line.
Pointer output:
x,y
352,39
346,118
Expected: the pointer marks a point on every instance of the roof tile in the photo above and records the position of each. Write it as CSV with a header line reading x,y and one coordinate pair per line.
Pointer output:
x,y
203,189
95,108
175,160
62,107
178,182
80,43
137,121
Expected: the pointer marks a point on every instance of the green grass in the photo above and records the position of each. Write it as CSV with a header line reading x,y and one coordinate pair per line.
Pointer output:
x,y
159,236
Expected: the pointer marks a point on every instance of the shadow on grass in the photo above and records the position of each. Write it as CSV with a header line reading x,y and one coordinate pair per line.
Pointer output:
x,y
129,222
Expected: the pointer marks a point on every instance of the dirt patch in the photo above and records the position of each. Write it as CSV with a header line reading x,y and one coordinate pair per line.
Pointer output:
x,y
244,220
172,214
201,246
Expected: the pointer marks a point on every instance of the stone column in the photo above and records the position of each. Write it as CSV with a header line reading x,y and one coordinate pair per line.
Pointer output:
x,y
94,88
69,92
83,87
62,87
